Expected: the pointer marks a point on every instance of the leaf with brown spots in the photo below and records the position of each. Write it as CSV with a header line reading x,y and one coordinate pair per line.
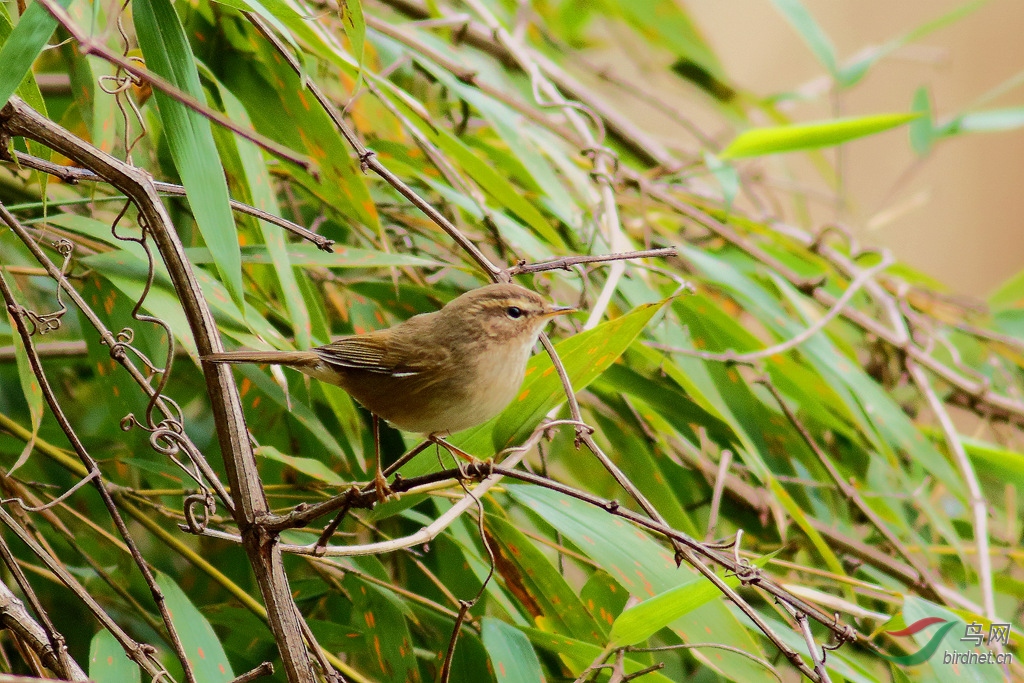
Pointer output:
x,y
202,647
107,661
512,657
577,655
536,583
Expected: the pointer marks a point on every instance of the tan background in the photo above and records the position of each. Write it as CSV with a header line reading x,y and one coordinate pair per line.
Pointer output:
x,y
961,208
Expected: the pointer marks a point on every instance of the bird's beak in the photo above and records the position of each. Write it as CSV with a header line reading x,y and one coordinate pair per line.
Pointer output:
x,y
552,311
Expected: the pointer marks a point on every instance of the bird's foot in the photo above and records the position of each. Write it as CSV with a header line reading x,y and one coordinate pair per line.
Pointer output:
x,y
380,484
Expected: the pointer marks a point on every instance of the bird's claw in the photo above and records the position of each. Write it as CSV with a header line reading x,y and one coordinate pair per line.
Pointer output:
x,y
380,484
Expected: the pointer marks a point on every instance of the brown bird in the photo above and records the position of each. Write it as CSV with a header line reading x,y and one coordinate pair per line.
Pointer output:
x,y
435,373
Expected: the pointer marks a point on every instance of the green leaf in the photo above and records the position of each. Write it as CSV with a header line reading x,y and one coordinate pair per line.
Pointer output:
x,y
578,655
1009,294
309,255
666,22
297,410
646,461
604,597
727,176
30,388
776,139
518,135
644,568
512,657
483,173
1000,466
21,47
388,646
990,121
190,138
308,466
525,566
202,647
809,29
355,26
27,88
922,132
641,621
108,662
246,164
851,73
281,107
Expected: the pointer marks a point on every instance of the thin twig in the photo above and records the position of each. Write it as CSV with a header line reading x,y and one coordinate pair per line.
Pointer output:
x,y
88,46
565,263
976,500
368,160
73,175
16,118
925,580
716,496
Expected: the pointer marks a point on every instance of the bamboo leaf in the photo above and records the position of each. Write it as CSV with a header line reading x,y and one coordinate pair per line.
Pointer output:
x,y
30,389
850,74
808,28
762,141
108,662
309,255
201,645
643,567
246,162
355,26
308,466
512,658
989,121
525,568
641,621
494,184
579,655
190,138
20,48
922,131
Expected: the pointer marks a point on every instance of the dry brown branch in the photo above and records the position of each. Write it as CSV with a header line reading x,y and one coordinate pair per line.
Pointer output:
x,y
17,119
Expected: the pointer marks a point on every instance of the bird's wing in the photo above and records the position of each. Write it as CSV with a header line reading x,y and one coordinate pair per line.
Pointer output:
x,y
363,352
393,355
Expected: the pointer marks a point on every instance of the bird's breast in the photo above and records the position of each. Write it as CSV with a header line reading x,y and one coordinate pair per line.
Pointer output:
x,y
478,389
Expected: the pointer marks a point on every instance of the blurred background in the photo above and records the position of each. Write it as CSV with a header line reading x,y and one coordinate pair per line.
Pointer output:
x,y
954,214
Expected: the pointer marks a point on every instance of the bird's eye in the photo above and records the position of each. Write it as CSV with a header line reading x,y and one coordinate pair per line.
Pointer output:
x,y
514,312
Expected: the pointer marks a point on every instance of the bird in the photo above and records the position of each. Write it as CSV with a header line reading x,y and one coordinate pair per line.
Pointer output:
x,y
435,373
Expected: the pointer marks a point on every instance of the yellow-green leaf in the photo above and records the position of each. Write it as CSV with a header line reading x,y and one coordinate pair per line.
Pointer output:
x,y
776,139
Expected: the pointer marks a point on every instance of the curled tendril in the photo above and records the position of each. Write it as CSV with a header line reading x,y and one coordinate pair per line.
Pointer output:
x,y
598,151
120,85
45,323
197,525
50,322
168,438
123,344
123,82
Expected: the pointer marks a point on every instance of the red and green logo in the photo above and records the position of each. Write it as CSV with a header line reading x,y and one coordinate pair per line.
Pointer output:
x,y
930,647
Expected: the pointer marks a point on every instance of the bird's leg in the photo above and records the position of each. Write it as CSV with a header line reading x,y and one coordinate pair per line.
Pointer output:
x,y
380,482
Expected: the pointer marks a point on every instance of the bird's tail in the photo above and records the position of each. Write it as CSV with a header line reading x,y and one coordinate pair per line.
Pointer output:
x,y
295,359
